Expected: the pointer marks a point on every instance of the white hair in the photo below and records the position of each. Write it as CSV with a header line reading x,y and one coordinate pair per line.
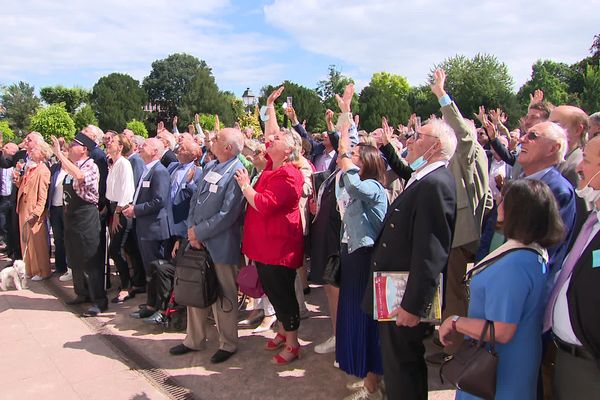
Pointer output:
x,y
559,135
98,133
235,138
446,136
595,118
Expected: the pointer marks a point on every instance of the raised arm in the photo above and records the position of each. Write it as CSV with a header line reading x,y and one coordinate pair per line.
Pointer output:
x,y
67,165
271,126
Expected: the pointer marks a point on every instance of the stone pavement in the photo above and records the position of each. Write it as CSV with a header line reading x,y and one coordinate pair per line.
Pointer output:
x,y
53,352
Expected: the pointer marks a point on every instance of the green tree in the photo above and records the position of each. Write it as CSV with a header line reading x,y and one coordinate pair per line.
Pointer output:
x,y
7,134
386,95
84,116
481,80
71,97
305,101
19,102
422,102
335,83
590,98
116,99
137,127
171,79
53,120
559,82
251,120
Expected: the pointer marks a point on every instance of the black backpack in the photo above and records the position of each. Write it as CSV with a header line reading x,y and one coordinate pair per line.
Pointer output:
x,y
196,282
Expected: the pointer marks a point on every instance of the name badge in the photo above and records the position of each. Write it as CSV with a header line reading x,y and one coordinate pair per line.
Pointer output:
x,y
212,177
596,259
145,184
213,188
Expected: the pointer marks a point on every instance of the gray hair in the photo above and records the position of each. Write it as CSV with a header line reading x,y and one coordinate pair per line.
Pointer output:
x,y
446,136
595,118
98,133
294,142
235,138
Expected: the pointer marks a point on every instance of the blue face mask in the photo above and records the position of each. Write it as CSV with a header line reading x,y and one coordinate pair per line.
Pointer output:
x,y
418,163
421,161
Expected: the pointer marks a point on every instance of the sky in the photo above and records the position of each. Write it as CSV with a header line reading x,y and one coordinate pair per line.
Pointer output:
x,y
251,43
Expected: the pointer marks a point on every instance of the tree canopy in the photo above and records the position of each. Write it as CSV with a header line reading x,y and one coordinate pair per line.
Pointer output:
x,y
19,102
386,95
53,120
71,97
116,99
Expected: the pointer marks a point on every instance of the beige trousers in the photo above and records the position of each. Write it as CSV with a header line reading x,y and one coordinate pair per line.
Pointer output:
x,y
225,312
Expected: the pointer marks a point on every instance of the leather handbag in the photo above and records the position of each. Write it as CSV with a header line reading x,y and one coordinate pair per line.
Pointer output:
x,y
472,368
196,282
248,281
333,270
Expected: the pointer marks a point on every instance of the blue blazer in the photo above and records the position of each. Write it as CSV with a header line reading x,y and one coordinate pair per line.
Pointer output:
x,y
152,205
217,216
137,164
180,205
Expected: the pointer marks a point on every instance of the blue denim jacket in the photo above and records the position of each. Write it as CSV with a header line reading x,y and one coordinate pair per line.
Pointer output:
x,y
363,219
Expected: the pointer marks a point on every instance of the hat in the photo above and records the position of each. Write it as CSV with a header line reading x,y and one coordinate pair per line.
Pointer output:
x,y
85,141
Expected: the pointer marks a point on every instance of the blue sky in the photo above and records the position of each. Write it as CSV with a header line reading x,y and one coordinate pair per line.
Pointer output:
x,y
254,43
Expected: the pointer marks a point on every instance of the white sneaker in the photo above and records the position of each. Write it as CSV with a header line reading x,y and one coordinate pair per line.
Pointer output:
x,y
327,346
336,364
67,276
37,278
364,394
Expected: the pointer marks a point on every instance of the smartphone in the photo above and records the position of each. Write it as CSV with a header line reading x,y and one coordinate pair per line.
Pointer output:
x,y
289,102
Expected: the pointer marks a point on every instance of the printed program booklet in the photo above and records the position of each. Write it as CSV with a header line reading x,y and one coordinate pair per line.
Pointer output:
x,y
388,290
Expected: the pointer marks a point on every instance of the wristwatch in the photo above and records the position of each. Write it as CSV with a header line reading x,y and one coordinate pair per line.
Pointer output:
x,y
455,318
347,154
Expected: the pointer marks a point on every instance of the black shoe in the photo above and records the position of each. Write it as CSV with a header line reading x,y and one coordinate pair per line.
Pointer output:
x,y
306,290
157,318
221,355
180,349
142,313
436,358
77,300
94,310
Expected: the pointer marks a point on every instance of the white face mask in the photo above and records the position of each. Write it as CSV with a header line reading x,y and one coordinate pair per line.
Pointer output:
x,y
588,193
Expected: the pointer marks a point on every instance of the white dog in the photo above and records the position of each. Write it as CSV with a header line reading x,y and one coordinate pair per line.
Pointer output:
x,y
13,276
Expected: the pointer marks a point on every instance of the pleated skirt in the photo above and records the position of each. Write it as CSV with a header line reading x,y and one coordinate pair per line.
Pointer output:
x,y
358,349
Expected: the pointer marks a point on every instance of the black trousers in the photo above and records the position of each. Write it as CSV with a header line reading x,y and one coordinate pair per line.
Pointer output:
x,y
160,284
575,377
150,250
58,231
404,368
138,276
116,251
278,283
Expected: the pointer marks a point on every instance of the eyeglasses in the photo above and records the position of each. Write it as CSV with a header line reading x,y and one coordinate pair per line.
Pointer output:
x,y
418,135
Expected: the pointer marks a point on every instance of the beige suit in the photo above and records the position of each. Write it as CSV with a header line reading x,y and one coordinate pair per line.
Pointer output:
x,y
469,166
31,200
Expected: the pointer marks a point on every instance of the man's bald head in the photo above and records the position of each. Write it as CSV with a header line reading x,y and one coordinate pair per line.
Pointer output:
x,y
10,149
574,121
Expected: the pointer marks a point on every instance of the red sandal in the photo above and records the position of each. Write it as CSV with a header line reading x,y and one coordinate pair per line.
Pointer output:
x,y
275,343
289,354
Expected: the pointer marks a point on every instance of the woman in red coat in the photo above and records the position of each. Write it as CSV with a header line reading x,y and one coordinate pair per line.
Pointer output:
x,y
273,234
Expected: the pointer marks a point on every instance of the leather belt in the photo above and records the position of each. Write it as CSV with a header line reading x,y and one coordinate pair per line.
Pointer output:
x,y
574,350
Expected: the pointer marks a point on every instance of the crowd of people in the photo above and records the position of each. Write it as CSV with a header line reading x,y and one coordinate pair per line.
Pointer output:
x,y
506,221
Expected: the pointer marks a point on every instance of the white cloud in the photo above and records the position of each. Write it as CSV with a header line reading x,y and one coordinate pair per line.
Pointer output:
x,y
95,38
408,38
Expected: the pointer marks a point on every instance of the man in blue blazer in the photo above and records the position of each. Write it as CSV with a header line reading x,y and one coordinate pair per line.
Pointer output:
x,y
185,176
214,222
151,203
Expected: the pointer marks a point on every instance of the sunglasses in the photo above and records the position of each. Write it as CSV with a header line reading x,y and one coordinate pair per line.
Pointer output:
x,y
533,136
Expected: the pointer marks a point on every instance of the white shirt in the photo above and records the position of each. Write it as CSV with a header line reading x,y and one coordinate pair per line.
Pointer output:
x,y
561,321
119,183
6,181
57,197
420,174
497,168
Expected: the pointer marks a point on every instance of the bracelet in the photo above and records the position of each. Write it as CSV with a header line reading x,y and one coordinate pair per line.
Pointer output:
x,y
245,186
454,320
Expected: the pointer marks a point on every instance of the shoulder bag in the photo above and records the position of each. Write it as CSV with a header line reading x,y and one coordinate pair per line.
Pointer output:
x,y
196,282
472,368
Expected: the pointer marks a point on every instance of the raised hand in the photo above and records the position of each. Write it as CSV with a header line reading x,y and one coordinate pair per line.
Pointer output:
x,y
490,128
217,123
55,145
197,118
387,131
356,120
481,115
274,95
439,80
497,116
175,119
536,97
329,120
291,113
345,100
160,126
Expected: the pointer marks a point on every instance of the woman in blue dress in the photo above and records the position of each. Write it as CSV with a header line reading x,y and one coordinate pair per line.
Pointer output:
x,y
507,287
362,202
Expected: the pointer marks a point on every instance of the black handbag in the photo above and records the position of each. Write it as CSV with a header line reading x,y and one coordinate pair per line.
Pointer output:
x,y
472,368
332,272
196,282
